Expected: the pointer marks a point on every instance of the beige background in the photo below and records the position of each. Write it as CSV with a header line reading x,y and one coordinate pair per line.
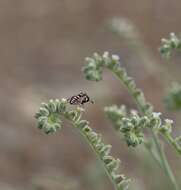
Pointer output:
x,y
43,44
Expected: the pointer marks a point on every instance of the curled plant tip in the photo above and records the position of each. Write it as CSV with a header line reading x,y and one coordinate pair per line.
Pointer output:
x,y
173,98
48,116
111,62
94,68
155,121
167,126
95,64
166,130
131,126
168,45
49,121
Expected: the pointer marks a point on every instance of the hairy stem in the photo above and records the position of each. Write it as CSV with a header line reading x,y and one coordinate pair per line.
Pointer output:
x,y
153,153
102,151
165,164
172,141
143,106
49,120
93,71
83,134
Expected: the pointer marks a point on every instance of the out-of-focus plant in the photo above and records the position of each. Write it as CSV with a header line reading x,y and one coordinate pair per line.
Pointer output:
x,y
168,45
125,29
132,125
49,119
128,32
55,181
94,176
173,98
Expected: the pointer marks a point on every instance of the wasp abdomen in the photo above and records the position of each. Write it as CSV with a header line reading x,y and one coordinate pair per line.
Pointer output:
x,y
74,100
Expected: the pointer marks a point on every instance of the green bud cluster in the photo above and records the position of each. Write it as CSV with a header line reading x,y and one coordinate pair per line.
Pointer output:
x,y
129,125
134,137
97,62
166,129
94,67
48,116
132,126
168,45
49,120
173,97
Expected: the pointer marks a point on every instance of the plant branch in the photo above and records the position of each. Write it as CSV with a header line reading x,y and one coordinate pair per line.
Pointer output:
x,y
93,71
49,121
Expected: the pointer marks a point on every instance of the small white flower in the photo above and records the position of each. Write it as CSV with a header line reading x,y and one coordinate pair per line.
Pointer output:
x,y
156,114
51,100
57,100
172,34
115,57
134,112
169,121
163,40
63,100
105,54
80,109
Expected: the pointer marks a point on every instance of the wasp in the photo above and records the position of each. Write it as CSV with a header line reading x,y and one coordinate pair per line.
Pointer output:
x,y
79,99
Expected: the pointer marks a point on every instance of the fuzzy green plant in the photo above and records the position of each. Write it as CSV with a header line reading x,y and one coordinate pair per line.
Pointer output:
x,y
172,99
170,44
129,33
130,126
94,68
49,120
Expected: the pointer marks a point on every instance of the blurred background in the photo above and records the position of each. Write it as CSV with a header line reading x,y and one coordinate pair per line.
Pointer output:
x,y
43,44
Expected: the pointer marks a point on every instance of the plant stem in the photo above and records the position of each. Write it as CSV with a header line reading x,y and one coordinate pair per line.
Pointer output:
x,y
97,154
141,104
172,141
154,154
121,182
57,108
165,164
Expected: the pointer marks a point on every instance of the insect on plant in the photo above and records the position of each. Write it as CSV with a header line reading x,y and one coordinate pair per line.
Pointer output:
x,y
80,99
130,125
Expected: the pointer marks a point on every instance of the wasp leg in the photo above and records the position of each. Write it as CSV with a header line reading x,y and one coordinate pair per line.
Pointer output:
x,y
81,105
91,101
